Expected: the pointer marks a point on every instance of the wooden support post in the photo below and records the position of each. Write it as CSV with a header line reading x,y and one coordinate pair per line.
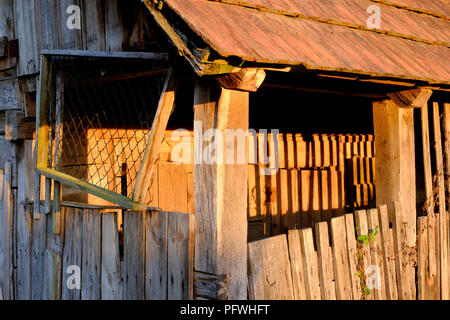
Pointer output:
x,y
220,189
395,170
57,188
44,137
165,107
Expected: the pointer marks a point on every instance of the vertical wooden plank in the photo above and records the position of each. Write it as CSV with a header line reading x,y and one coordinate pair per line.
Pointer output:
x,y
447,146
404,268
427,160
111,276
429,197
325,195
290,151
190,189
362,229
93,32
23,228
325,259
293,216
388,254
156,256
115,28
376,253
172,187
5,232
315,197
284,205
37,257
340,259
91,256
305,192
25,30
296,259
180,256
134,255
352,256
269,270
253,192
428,286
47,24
52,275
301,149
72,252
447,162
274,190
443,223
68,39
310,265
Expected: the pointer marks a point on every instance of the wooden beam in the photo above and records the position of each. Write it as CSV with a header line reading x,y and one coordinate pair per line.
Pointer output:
x,y
396,172
110,196
107,54
16,128
221,189
414,98
249,79
165,108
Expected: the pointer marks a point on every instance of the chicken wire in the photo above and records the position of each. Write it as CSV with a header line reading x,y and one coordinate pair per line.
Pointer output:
x,y
108,106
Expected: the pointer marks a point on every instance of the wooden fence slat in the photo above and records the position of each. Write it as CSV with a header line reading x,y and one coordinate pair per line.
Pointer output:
x,y
352,256
298,274
388,254
325,259
52,275
134,255
340,259
72,251
309,257
180,256
362,229
111,276
156,256
404,269
443,223
269,270
91,257
376,254
428,287
38,256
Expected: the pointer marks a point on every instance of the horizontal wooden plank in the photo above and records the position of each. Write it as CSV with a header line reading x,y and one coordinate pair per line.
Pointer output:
x,y
107,54
92,189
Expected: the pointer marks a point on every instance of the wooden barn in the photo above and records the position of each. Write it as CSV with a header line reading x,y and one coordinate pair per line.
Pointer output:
x,y
224,149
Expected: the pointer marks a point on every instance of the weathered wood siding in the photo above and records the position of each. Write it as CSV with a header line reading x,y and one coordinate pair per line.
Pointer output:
x,y
42,24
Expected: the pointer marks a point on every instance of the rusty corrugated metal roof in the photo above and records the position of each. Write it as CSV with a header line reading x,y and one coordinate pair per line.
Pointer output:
x,y
327,34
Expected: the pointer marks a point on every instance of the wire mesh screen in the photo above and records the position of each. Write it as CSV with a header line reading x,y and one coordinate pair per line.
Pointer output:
x,y
107,109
